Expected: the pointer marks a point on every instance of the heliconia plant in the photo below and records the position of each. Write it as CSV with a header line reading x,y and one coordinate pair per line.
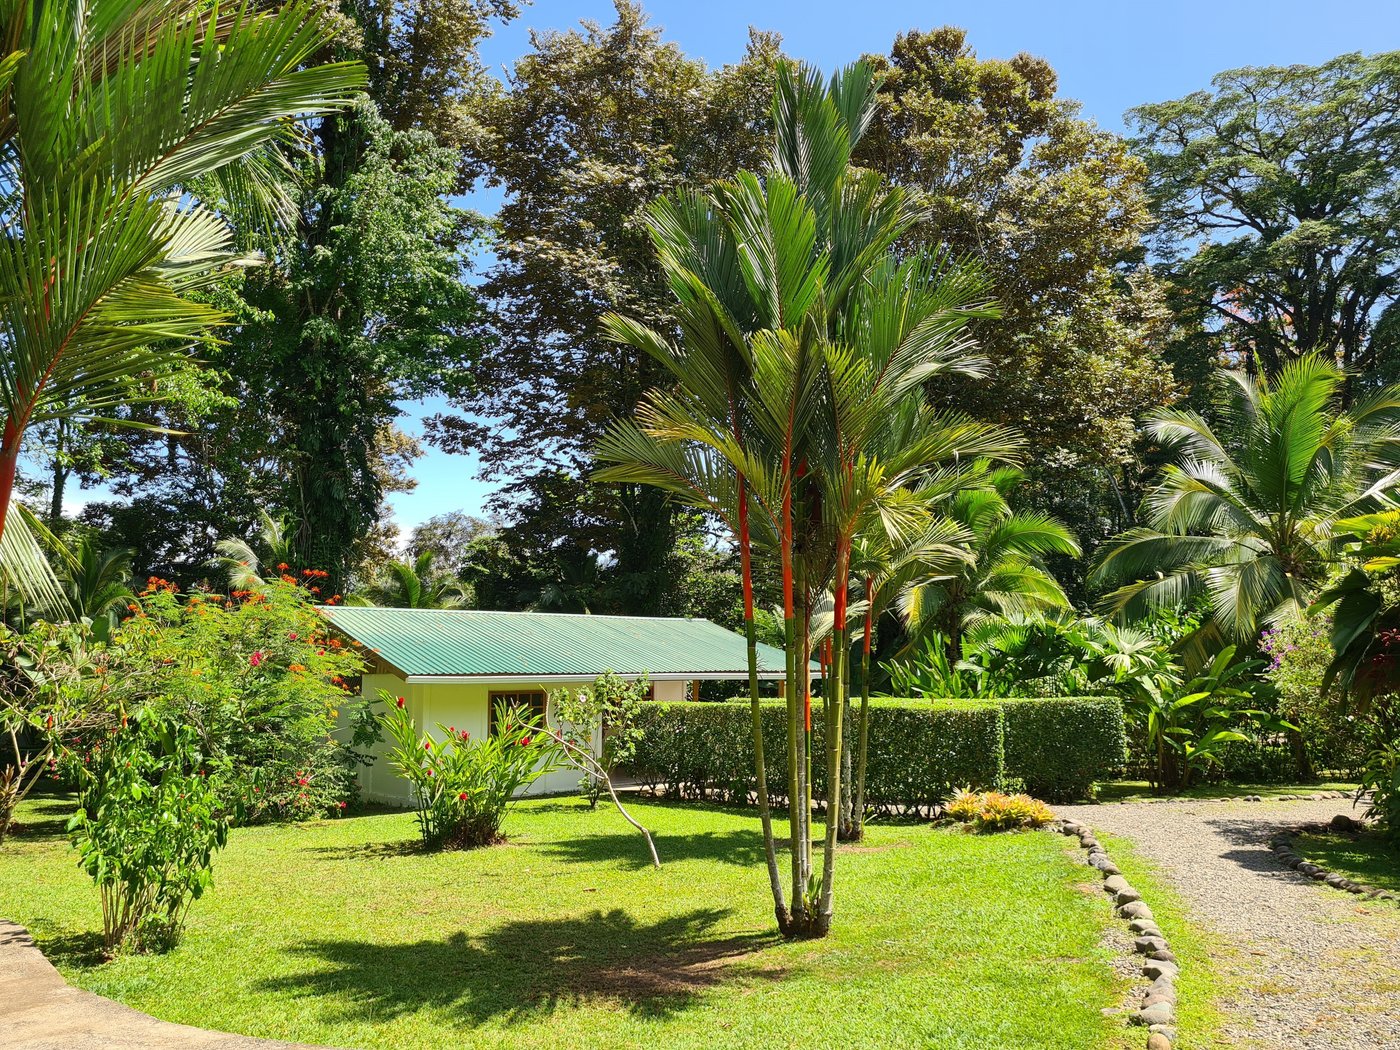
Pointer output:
x,y
463,785
803,338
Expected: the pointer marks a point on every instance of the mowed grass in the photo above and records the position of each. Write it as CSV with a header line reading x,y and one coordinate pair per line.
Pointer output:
x,y
342,933
1362,858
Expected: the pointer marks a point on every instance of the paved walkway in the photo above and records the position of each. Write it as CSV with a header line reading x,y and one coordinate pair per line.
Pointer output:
x,y
41,1011
1308,968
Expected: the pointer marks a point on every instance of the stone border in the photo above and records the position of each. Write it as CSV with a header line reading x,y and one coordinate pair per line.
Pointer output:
x,y
1158,1010
1282,844
1179,800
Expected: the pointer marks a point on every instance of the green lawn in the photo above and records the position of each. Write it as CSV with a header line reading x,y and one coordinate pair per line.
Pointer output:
x,y
1140,790
341,933
1365,858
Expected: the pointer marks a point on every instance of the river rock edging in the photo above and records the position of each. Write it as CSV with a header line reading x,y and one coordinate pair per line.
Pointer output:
x,y
1160,966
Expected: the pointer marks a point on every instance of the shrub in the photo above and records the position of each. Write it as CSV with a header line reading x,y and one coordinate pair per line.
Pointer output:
x,y
994,811
920,750
1335,739
148,822
705,751
462,787
258,677
1057,747
964,805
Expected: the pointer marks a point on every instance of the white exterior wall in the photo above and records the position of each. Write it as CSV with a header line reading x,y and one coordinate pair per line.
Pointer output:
x,y
670,690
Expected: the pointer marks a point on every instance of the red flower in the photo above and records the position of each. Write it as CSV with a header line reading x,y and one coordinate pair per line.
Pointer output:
x,y
303,781
466,735
257,658
292,636
399,702
341,805
524,741
462,796
427,745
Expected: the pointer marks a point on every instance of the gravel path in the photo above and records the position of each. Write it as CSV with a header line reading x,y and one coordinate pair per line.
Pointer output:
x,y
1310,967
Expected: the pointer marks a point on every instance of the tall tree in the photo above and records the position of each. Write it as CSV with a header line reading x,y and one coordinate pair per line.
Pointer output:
x,y
364,307
801,338
1246,514
595,125
1053,208
1277,195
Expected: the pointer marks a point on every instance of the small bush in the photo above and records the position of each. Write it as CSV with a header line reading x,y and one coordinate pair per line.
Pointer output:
x,y
1058,747
996,811
147,826
1000,812
463,787
964,806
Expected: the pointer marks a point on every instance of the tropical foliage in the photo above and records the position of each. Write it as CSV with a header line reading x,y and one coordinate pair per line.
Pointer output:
x,y
461,786
148,822
1246,513
105,232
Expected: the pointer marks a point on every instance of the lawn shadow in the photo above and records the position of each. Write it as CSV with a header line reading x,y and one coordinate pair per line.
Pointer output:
x,y
741,847
45,817
523,969
80,950
370,850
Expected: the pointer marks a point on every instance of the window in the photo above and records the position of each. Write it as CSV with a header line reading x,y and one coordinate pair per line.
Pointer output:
x,y
535,701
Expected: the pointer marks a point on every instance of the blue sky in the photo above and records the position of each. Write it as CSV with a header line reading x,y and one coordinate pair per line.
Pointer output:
x,y
1110,56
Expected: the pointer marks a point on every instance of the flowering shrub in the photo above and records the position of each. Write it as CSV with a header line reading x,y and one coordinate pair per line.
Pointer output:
x,y
601,720
258,677
148,822
995,811
1335,738
462,787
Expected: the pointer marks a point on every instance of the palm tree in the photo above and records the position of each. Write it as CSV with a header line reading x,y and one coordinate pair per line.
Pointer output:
x,y
110,112
96,580
247,561
1003,578
801,339
1246,515
414,585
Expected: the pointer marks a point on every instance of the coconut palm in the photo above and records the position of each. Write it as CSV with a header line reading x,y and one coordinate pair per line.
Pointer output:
x,y
1004,576
248,561
1246,515
96,579
802,339
414,585
110,112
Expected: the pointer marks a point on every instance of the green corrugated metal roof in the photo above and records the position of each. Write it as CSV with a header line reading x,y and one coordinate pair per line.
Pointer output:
x,y
440,642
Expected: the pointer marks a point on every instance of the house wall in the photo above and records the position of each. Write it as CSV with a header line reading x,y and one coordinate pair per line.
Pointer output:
x,y
670,690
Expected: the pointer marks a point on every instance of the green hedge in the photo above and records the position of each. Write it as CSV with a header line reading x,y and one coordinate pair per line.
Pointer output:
x,y
920,750
1059,746
705,751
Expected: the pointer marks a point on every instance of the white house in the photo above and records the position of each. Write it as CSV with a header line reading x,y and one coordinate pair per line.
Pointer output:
x,y
454,666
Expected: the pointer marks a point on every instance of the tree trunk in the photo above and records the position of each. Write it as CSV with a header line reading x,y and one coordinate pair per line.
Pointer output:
x,y
834,709
9,463
863,748
765,816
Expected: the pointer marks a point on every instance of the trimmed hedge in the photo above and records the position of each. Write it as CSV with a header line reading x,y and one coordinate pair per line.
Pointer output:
x,y
920,750
705,751
1059,746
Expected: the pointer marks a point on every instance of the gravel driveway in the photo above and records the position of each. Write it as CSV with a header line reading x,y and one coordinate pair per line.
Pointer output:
x,y
1318,968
